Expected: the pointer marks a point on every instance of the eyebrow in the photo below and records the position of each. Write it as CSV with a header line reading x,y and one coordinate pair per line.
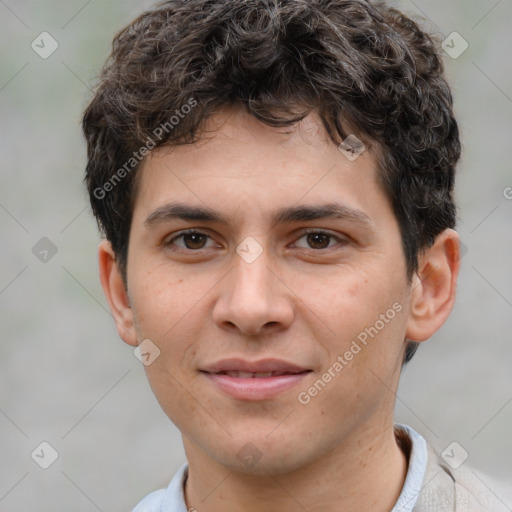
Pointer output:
x,y
181,211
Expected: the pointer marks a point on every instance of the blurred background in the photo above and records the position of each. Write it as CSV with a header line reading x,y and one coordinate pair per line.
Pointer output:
x,y
68,380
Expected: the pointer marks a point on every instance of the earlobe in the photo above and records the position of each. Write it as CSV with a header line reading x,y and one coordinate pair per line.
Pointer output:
x,y
116,293
433,286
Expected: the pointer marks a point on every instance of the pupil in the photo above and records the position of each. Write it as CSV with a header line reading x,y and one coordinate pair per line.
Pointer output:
x,y
318,240
194,241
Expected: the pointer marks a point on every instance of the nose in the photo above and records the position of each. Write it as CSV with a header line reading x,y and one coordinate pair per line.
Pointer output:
x,y
253,299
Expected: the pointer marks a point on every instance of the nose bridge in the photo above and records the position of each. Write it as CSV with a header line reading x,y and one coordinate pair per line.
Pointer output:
x,y
251,280
252,296
251,274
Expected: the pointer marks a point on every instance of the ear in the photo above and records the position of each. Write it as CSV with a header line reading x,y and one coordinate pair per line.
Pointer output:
x,y
433,287
116,293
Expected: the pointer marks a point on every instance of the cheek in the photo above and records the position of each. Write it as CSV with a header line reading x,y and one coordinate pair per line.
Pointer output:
x,y
161,294
357,307
344,300
165,307
170,311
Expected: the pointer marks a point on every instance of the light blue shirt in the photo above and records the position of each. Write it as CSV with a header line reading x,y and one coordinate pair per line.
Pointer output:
x,y
172,499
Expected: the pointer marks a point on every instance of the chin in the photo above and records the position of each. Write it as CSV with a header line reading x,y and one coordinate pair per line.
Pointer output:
x,y
267,465
263,458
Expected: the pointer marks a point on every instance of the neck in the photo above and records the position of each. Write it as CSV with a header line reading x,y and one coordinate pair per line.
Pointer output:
x,y
367,472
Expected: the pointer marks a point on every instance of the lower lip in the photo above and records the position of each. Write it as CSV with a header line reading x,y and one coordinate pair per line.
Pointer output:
x,y
261,388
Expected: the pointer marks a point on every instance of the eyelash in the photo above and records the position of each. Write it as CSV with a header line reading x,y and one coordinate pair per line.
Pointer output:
x,y
304,233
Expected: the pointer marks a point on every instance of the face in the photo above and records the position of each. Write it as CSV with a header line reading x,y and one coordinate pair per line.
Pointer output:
x,y
267,252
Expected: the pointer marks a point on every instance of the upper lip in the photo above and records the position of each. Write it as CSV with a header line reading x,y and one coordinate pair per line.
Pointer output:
x,y
261,366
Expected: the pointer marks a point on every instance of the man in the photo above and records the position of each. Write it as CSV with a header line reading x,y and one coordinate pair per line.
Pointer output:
x,y
275,182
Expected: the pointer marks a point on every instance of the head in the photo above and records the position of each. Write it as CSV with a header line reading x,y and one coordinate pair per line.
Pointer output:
x,y
238,109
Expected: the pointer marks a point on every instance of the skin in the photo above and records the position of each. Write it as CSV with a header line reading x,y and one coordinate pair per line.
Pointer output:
x,y
304,299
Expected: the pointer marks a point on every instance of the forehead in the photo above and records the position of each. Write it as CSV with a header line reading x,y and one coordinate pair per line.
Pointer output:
x,y
239,160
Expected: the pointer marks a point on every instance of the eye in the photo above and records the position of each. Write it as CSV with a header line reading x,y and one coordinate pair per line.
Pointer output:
x,y
190,240
318,240
193,240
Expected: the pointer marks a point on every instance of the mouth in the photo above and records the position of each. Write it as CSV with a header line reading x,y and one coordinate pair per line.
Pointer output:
x,y
260,380
246,369
256,375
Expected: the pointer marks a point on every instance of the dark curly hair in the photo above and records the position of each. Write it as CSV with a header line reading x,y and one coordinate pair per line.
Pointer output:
x,y
364,67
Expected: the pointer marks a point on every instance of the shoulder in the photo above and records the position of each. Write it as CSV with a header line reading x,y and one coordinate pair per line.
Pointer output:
x,y
460,489
151,503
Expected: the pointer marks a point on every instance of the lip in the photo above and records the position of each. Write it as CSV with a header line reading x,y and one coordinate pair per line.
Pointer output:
x,y
261,366
254,388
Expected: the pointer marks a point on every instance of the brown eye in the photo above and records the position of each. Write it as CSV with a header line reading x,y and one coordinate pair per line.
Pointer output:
x,y
194,240
190,240
318,240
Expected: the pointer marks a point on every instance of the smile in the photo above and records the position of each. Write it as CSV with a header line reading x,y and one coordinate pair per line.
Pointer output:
x,y
250,375
263,379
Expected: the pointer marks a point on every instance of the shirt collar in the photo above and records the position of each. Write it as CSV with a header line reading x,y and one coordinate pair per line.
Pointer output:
x,y
174,497
417,466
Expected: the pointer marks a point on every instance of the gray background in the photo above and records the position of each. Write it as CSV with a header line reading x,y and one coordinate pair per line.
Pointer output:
x,y
67,379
